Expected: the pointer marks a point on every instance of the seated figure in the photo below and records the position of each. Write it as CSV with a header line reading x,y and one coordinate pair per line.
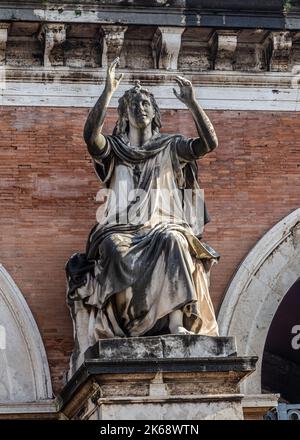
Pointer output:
x,y
145,271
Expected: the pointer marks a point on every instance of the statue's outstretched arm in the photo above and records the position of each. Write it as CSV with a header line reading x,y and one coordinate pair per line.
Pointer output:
x,y
207,140
93,127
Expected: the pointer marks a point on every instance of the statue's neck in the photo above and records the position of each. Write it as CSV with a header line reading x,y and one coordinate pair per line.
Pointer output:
x,y
139,136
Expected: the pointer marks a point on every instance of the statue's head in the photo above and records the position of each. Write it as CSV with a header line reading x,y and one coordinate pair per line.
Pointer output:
x,y
137,107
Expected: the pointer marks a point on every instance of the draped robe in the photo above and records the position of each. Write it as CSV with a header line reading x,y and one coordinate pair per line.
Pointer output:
x,y
144,245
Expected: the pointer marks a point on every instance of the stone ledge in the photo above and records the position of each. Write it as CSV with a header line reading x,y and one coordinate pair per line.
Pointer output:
x,y
48,406
178,13
162,347
173,399
121,366
39,410
151,77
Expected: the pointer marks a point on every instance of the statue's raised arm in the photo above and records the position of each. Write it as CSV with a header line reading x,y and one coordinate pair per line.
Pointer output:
x,y
93,127
207,140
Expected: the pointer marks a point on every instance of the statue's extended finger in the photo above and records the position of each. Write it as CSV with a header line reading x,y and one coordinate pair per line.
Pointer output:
x,y
114,63
185,81
178,80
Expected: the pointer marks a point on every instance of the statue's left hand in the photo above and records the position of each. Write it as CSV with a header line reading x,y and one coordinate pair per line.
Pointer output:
x,y
187,94
112,82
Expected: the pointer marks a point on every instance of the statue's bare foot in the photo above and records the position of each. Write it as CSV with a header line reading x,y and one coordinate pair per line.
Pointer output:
x,y
176,324
183,331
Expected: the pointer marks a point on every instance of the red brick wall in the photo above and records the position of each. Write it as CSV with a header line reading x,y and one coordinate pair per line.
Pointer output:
x,y
47,191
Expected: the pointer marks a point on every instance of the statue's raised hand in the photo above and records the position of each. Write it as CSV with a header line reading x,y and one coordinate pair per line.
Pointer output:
x,y
186,93
112,82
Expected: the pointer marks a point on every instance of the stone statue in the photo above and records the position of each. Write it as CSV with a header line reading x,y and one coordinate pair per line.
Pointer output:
x,y
145,270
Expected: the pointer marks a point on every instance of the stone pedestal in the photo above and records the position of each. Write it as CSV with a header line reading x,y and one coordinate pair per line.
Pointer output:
x,y
187,377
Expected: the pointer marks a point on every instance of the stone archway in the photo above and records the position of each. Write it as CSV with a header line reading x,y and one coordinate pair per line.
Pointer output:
x,y
24,371
256,290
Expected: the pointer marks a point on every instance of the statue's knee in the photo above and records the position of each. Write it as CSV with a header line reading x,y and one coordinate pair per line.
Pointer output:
x,y
175,238
108,246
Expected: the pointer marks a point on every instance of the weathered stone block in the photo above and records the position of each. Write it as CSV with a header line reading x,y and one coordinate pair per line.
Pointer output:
x,y
161,377
167,346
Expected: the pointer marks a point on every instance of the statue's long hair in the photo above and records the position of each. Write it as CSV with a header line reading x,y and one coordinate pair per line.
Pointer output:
x,y
122,124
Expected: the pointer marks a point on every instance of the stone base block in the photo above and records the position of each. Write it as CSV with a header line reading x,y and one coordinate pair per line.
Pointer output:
x,y
163,347
221,407
187,377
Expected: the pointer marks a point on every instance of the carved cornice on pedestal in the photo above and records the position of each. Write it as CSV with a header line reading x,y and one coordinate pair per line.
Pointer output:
x,y
166,46
112,42
223,45
51,34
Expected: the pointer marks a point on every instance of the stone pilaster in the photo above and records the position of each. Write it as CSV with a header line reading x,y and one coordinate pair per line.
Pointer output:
x,y
223,45
166,46
3,40
51,34
280,50
112,38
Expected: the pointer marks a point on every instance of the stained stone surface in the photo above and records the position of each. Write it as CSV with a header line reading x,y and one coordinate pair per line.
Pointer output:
x,y
183,377
180,356
163,347
219,410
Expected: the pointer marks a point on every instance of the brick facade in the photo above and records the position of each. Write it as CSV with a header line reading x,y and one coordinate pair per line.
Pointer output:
x,y
48,188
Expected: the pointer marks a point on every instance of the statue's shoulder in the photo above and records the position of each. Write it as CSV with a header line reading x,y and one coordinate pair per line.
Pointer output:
x,y
163,137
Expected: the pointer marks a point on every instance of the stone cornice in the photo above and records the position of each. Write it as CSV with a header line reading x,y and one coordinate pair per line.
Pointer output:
x,y
211,97
61,55
162,48
152,77
223,5
39,407
218,13
91,369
